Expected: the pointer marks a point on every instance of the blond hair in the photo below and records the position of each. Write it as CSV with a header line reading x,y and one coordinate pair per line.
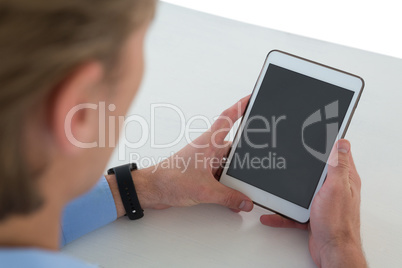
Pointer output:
x,y
41,42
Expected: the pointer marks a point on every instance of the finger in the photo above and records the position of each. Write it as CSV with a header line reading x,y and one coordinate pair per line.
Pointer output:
x,y
352,161
220,154
226,120
352,164
230,198
338,169
354,175
223,151
276,220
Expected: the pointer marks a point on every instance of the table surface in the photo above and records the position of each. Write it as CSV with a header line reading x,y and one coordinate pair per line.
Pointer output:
x,y
202,64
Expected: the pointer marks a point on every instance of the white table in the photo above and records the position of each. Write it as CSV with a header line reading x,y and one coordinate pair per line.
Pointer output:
x,y
203,64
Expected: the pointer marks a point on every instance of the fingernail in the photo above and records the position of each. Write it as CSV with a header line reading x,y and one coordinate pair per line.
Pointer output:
x,y
246,205
343,146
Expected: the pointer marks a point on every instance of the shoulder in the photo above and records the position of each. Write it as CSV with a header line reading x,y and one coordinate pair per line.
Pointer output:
x,y
36,258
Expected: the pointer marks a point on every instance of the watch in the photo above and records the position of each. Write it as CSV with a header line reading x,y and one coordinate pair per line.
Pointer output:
x,y
127,190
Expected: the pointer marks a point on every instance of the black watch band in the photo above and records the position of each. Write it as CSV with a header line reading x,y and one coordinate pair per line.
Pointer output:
x,y
127,190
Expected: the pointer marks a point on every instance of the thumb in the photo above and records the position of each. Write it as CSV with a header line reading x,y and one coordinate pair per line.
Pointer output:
x,y
232,199
338,168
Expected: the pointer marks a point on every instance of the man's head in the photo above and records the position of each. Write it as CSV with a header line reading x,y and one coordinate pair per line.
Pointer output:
x,y
63,59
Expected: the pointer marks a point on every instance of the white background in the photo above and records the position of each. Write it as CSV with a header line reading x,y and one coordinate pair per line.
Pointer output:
x,y
203,64
369,25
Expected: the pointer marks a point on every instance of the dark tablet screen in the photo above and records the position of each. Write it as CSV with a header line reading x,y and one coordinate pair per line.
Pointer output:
x,y
289,134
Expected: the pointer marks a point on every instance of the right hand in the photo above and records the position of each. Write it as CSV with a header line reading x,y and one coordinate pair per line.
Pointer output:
x,y
334,227
189,177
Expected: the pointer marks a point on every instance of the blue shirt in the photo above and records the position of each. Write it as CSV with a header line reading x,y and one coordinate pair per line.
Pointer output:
x,y
83,215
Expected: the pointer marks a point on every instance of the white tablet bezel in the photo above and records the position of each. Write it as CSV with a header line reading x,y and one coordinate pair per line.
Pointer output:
x,y
312,69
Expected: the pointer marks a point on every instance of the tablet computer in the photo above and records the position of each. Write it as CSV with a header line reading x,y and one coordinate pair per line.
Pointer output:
x,y
296,113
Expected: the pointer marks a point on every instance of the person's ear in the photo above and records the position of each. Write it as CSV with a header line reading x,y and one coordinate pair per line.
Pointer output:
x,y
74,113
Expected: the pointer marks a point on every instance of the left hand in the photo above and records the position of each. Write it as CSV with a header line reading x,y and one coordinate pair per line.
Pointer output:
x,y
190,176
334,227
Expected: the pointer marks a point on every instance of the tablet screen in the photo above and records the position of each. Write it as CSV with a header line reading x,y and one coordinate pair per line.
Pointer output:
x,y
288,136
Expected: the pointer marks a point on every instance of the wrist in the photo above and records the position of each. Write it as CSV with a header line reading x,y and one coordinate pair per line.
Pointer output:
x,y
144,185
111,179
347,254
143,181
